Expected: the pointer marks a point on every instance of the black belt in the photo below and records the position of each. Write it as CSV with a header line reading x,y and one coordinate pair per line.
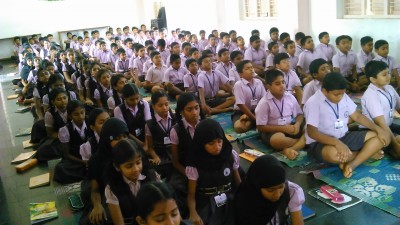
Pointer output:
x,y
215,190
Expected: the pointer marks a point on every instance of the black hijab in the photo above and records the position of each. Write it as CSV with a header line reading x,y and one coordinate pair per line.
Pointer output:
x,y
111,129
250,205
206,131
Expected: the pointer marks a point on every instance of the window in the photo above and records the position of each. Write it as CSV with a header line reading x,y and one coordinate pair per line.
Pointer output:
x,y
371,8
258,9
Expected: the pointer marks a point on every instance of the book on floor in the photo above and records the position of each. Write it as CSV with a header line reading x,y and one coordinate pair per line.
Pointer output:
x,y
39,181
40,212
14,96
26,165
28,144
307,212
23,157
23,109
23,132
349,200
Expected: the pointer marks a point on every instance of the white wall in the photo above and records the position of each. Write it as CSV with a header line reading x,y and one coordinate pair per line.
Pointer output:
x,y
27,17
324,18
224,15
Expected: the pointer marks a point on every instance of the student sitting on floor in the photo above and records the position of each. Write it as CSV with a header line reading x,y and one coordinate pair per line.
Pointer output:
x,y
154,77
56,81
290,48
382,54
292,81
173,77
126,174
134,112
158,130
194,53
345,62
248,91
265,195
190,80
279,117
273,49
138,64
212,100
122,64
92,189
318,70
72,168
104,89
327,113
236,58
307,55
157,205
41,88
225,63
188,115
380,101
55,118
118,82
86,82
97,117
213,175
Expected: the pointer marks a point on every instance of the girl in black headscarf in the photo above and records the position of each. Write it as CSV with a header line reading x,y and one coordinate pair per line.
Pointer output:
x,y
266,198
212,171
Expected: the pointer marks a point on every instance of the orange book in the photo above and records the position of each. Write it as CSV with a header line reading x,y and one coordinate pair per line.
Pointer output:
x,y
26,165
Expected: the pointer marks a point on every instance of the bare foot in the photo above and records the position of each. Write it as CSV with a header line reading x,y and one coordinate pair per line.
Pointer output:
x,y
290,153
379,155
346,170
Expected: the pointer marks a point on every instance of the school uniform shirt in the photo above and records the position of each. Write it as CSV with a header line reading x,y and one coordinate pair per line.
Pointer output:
x,y
190,81
64,135
72,44
165,55
344,62
240,50
155,74
224,69
270,110
86,49
147,115
18,48
326,50
85,150
138,64
32,77
256,56
104,56
45,99
231,46
165,124
129,53
134,187
111,102
310,89
108,91
131,60
210,82
195,45
246,92
269,62
203,44
377,102
321,113
363,59
112,59
306,57
212,48
282,49
298,51
293,61
96,52
49,120
389,60
79,82
64,67
193,174
43,53
183,60
233,75
174,135
291,80
174,76
121,66
147,65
